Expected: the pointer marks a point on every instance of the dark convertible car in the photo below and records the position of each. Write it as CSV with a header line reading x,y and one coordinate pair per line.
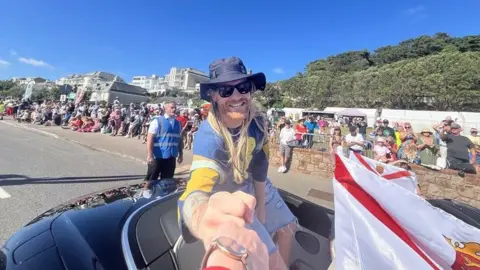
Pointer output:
x,y
125,229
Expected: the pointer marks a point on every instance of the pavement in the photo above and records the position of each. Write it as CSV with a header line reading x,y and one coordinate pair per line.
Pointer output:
x,y
38,172
41,167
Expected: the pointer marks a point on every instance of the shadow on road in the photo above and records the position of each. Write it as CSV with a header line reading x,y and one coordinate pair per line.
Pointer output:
x,y
16,179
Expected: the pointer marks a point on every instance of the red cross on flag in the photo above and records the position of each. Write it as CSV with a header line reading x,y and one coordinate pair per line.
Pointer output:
x,y
380,223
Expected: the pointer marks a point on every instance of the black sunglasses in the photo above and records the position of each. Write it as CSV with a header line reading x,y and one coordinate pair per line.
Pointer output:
x,y
226,91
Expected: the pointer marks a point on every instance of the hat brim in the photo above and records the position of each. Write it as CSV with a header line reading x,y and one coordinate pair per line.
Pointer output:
x,y
259,79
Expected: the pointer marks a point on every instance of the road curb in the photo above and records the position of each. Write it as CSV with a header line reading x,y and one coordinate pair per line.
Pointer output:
x,y
53,135
32,129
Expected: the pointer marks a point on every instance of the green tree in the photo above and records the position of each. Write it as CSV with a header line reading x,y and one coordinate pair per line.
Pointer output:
x,y
15,92
270,97
428,72
54,93
6,85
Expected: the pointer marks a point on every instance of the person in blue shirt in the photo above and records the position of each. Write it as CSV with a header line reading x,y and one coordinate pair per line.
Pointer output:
x,y
311,126
230,154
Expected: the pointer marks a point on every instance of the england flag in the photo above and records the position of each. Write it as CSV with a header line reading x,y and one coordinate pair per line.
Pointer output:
x,y
380,224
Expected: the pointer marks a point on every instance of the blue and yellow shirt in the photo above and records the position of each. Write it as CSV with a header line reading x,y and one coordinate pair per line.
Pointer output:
x,y
210,171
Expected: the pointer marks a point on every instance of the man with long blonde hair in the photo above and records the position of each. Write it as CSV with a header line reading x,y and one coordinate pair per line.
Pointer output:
x,y
230,159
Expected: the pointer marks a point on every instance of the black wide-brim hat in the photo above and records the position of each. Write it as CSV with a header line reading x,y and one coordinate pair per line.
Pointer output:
x,y
227,70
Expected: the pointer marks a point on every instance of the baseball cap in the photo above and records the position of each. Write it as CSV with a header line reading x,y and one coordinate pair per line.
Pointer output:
x,y
455,126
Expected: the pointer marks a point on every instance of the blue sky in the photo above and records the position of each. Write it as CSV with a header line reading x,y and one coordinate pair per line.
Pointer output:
x,y
51,38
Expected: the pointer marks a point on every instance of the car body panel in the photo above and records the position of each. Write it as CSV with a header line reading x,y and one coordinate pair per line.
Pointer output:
x,y
86,233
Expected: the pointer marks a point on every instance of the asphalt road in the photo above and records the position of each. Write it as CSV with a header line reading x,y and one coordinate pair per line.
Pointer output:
x,y
38,172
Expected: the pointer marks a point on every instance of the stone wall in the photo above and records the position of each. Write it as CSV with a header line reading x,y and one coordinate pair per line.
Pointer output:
x,y
305,161
433,184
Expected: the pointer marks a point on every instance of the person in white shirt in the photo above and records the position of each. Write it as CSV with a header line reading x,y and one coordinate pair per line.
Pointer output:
x,y
382,153
287,135
354,141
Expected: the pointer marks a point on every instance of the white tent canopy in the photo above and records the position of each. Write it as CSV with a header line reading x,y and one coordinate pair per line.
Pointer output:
x,y
426,119
470,120
370,113
351,112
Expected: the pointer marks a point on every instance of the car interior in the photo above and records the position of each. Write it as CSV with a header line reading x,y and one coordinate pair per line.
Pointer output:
x,y
155,240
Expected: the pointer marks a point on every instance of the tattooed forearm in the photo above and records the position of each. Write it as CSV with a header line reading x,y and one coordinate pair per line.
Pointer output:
x,y
192,210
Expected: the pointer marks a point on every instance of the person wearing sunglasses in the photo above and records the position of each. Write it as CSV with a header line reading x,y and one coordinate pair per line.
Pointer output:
x,y
408,148
230,155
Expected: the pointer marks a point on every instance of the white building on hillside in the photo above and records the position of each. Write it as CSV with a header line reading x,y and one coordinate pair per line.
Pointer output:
x,y
25,81
89,81
153,84
184,79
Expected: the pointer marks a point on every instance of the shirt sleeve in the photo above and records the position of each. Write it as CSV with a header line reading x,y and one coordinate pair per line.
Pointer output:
x,y
394,135
153,128
419,141
206,170
469,143
282,133
259,165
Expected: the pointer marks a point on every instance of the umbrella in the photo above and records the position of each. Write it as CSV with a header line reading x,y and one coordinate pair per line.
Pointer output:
x,y
351,112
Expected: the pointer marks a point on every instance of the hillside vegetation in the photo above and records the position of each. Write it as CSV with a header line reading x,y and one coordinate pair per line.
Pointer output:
x,y
426,73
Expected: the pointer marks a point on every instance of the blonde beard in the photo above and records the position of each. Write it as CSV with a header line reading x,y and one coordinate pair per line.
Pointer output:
x,y
236,115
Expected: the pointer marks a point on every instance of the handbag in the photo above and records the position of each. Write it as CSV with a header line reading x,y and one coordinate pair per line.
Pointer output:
x,y
294,143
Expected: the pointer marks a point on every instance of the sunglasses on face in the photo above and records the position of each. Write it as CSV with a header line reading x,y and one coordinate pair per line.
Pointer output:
x,y
407,127
226,91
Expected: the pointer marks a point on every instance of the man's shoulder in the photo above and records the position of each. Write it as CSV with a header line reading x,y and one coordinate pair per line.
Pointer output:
x,y
466,138
257,129
205,132
208,143
155,118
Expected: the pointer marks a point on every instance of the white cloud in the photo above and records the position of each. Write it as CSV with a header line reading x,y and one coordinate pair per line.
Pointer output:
x,y
13,52
416,14
34,62
278,70
4,63
415,10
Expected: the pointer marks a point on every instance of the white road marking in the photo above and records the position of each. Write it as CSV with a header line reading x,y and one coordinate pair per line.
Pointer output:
x,y
4,194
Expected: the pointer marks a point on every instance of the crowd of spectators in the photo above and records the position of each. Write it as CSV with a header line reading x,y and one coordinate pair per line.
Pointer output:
x,y
116,119
441,146
438,147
